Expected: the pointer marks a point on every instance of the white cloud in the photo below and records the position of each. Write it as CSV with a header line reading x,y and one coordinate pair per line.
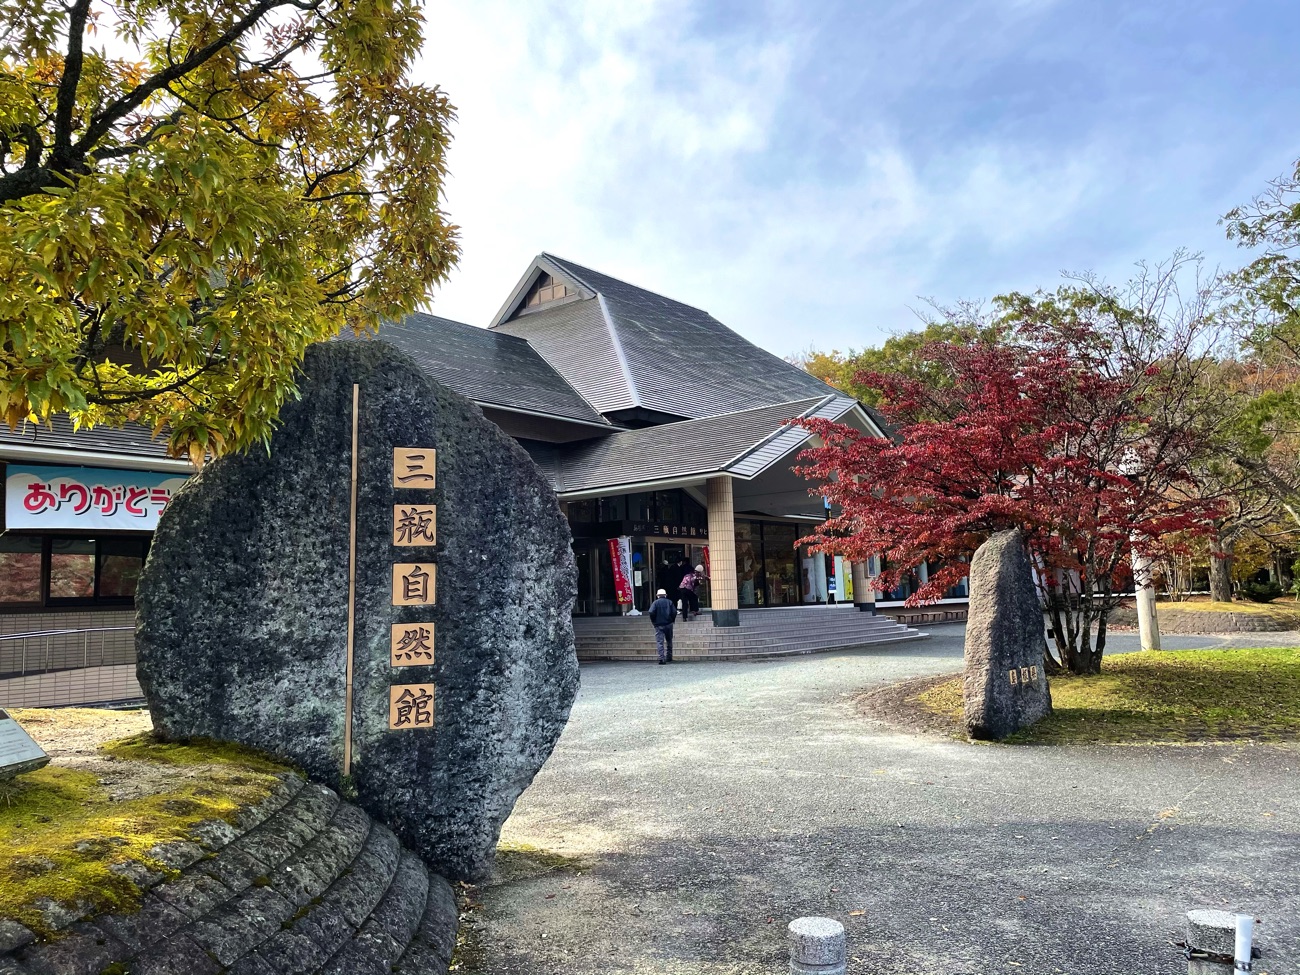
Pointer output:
x,y
630,137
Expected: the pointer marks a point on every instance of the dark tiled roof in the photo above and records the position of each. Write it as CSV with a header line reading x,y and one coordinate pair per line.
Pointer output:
x,y
131,440
487,367
744,442
627,347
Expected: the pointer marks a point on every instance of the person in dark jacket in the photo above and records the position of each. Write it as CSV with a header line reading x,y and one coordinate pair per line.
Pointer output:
x,y
670,578
662,613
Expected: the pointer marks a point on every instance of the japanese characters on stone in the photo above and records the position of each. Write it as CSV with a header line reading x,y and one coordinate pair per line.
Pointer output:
x,y
411,706
412,644
415,524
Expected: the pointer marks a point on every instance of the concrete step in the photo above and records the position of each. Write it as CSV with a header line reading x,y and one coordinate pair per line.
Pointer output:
x,y
682,654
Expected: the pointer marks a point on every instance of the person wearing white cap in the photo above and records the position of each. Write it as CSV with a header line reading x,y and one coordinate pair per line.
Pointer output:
x,y
686,592
662,612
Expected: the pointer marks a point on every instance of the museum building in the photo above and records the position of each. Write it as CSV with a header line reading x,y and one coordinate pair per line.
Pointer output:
x,y
652,419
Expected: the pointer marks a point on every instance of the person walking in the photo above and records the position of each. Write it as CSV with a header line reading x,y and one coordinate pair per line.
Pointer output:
x,y
662,612
690,601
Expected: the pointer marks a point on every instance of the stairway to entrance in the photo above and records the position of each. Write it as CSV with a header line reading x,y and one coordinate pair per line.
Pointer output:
x,y
776,632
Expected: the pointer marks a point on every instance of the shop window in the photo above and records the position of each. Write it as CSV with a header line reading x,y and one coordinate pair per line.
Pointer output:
x,y
780,560
749,566
72,568
38,571
20,570
119,565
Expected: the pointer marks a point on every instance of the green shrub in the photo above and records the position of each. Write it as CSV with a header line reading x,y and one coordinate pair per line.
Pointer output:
x,y
1260,592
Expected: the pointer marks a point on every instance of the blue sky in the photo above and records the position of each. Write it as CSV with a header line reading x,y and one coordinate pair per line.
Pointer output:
x,y
810,172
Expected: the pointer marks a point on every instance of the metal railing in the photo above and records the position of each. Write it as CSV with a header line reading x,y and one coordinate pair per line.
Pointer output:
x,y
48,651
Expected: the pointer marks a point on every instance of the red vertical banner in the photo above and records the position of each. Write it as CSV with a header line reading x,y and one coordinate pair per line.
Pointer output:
x,y
619,557
708,568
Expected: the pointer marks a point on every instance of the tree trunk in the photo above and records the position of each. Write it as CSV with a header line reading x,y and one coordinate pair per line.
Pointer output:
x,y
1221,569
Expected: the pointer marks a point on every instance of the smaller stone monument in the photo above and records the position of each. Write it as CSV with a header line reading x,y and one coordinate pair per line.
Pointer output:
x,y
1004,683
18,753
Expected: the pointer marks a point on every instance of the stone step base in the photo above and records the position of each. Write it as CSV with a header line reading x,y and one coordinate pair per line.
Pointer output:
x,y
305,883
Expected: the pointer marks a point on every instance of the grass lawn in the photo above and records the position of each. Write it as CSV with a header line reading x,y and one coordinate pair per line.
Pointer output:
x,y
1170,696
1278,607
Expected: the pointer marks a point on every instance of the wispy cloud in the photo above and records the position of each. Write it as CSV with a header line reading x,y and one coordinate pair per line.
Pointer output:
x,y
805,172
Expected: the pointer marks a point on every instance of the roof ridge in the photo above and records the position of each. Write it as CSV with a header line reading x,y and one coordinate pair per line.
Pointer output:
x,y
618,349
821,401
452,321
567,264
765,406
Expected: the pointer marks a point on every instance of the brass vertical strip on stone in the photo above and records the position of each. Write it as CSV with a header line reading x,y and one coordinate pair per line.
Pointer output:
x,y
722,552
352,591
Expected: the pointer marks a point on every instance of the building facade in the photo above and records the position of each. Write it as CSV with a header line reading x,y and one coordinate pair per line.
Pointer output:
x,y
653,421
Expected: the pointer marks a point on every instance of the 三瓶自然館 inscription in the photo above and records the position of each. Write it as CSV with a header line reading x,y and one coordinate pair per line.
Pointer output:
x,y
414,584
410,707
415,524
414,467
411,644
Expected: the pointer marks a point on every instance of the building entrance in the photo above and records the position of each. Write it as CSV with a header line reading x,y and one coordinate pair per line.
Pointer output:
x,y
664,556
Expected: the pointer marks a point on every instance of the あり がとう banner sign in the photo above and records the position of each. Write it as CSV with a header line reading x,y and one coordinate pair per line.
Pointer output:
x,y
86,498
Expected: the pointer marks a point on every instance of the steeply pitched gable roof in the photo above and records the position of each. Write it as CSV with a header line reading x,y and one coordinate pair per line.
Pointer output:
x,y
743,443
624,347
491,368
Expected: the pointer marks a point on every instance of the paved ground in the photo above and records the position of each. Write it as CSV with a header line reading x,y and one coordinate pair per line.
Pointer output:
x,y
711,803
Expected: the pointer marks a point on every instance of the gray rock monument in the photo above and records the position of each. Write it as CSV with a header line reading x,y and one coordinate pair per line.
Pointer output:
x,y
462,668
1004,684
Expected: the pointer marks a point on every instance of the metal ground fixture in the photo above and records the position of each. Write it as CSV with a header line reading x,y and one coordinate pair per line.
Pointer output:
x,y
817,946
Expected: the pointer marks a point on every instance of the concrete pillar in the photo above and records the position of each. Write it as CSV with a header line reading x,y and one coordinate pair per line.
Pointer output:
x,y
1148,624
864,597
722,552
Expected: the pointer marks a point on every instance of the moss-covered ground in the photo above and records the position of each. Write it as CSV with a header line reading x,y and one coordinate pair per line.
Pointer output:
x,y
1170,696
66,838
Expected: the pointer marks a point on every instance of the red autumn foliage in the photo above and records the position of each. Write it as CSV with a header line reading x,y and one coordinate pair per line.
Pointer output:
x,y
1044,432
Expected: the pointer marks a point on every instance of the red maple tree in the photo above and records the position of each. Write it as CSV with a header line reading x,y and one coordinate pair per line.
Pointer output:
x,y
1052,431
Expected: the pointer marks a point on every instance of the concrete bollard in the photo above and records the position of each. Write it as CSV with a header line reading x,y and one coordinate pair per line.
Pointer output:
x,y
817,946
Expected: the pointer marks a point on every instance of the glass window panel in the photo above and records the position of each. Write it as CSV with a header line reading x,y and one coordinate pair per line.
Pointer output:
x,y
748,562
780,565
20,569
639,504
72,568
120,562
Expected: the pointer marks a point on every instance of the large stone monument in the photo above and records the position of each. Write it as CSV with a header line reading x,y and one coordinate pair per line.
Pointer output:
x,y
1004,683
383,598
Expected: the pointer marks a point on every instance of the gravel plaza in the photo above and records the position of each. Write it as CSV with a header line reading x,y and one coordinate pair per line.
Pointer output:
x,y
704,806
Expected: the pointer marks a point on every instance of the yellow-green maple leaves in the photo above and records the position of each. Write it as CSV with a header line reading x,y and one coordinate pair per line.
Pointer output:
x,y
229,183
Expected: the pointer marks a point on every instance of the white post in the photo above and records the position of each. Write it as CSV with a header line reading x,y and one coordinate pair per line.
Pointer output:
x,y
1245,932
1148,623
